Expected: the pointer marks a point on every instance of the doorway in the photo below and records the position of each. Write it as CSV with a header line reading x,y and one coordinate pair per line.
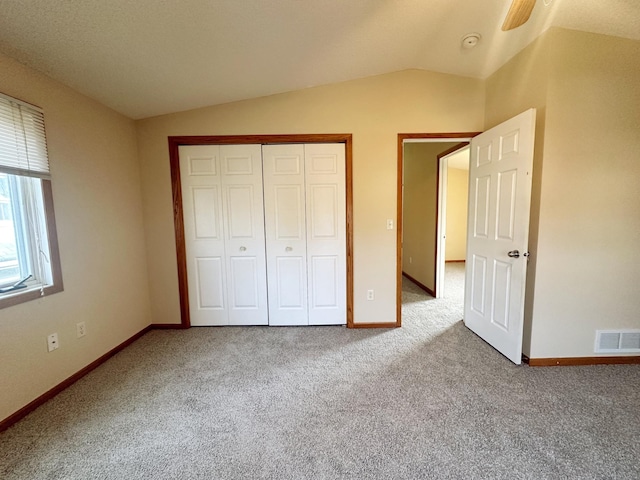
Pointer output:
x,y
447,142
453,196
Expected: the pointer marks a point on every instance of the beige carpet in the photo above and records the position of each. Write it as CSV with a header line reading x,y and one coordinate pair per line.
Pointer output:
x,y
429,400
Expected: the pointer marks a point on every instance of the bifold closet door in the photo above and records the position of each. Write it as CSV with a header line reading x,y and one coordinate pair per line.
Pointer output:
x,y
326,233
224,234
305,226
285,231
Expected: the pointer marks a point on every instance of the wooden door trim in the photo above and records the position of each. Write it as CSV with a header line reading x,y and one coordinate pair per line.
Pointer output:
x,y
178,219
401,138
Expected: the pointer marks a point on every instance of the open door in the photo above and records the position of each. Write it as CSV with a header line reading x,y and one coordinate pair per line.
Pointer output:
x,y
497,233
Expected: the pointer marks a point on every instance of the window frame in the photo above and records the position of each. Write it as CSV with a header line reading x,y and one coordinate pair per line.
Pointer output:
x,y
24,154
21,296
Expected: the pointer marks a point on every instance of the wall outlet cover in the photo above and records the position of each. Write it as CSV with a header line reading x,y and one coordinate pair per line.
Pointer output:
x,y
52,342
81,329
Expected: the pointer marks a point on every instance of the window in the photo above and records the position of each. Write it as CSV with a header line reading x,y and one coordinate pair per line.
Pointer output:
x,y
29,259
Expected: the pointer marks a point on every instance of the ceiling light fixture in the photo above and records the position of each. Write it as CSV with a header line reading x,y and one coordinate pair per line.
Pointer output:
x,y
470,40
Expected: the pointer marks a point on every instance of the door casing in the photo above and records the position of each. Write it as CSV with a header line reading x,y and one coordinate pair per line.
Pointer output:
x,y
174,159
426,137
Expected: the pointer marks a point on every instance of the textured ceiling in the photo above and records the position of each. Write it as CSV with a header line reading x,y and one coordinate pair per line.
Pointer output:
x,y
150,57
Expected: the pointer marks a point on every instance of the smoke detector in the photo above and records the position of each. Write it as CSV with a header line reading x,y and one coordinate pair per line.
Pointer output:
x,y
470,40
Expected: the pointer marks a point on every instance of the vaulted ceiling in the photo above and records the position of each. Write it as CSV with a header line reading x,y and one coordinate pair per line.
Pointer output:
x,y
150,57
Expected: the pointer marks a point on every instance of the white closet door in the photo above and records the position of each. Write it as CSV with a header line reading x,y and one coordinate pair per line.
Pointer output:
x,y
285,230
326,233
242,199
201,182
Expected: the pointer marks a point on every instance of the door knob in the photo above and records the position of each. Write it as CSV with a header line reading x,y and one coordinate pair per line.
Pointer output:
x,y
288,249
242,249
514,253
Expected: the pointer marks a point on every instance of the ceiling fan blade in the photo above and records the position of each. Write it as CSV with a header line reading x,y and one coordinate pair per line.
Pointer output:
x,y
518,14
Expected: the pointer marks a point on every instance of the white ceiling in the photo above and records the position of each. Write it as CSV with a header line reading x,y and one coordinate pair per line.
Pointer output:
x,y
150,57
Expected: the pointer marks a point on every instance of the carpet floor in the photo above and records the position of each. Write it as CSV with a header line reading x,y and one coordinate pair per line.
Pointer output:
x,y
428,400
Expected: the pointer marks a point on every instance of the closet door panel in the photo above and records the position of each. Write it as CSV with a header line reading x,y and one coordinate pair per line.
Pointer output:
x,y
324,215
288,212
210,282
244,228
325,278
258,216
285,231
326,233
240,212
292,278
201,183
244,283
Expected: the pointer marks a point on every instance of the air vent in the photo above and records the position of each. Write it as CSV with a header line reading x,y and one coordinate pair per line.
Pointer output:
x,y
617,341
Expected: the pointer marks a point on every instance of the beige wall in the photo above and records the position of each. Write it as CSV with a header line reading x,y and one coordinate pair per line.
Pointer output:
x,y
96,189
457,196
374,110
588,268
419,210
585,211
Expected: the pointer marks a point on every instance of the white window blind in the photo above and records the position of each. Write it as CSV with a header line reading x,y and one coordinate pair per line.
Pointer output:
x,y
23,144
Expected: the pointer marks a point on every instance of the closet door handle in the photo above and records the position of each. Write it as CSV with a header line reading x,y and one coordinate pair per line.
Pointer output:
x,y
243,249
288,249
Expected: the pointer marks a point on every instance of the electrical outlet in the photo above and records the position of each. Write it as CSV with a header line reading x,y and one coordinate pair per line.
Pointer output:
x,y
370,295
52,342
81,329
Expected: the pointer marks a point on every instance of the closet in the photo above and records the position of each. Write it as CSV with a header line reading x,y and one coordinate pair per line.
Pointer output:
x,y
265,233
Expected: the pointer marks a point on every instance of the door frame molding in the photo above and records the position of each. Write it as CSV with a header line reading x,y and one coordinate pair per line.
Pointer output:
x,y
178,219
456,136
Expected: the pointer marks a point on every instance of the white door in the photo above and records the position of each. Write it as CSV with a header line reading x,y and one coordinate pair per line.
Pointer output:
x,y
286,233
241,167
497,233
224,234
326,233
201,182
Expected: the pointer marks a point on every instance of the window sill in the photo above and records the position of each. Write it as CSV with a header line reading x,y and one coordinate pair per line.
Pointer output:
x,y
10,299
